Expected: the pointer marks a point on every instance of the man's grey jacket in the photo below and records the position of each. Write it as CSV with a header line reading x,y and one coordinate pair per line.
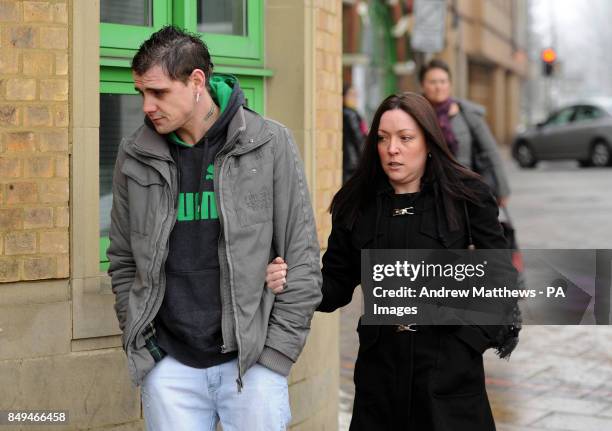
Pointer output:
x,y
264,211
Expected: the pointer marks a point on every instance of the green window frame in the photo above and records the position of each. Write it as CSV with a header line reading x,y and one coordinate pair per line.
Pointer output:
x,y
113,80
228,49
122,41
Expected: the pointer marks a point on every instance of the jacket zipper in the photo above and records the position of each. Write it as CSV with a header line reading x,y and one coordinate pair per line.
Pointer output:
x,y
231,277
140,323
239,381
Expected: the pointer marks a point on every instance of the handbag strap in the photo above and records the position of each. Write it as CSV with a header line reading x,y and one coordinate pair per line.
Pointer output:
x,y
471,245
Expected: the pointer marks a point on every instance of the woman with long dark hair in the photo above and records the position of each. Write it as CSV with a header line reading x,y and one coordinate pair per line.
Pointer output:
x,y
410,377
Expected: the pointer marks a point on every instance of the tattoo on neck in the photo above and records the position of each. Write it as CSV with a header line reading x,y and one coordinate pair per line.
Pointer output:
x,y
210,112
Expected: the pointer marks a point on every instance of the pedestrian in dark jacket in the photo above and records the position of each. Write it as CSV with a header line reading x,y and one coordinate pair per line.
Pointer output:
x,y
464,127
354,131
410,377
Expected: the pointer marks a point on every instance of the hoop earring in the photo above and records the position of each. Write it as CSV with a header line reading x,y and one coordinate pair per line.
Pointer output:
x,y
198,98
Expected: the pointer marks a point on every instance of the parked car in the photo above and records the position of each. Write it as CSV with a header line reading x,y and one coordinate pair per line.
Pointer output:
x,y
581,132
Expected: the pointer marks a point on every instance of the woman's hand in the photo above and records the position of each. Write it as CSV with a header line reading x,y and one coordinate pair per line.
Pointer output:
x,y
276,274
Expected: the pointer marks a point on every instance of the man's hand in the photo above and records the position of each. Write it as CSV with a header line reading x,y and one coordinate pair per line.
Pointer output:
x,y
502,201
276,274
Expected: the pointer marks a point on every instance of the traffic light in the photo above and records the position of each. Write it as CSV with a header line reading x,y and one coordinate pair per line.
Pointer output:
x,y
549,56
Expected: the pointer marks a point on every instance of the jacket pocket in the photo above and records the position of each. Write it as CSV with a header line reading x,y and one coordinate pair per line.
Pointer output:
x,y
141,173
145,189
459,369
253,190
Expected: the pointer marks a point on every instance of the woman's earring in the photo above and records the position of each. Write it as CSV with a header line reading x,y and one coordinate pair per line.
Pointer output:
x,y
429,155
197,97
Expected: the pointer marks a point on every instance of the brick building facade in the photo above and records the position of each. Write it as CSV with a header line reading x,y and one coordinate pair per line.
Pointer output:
x,y
59,341
34,161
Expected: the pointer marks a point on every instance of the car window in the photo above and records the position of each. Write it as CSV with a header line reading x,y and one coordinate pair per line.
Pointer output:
x,y
562,117
585,113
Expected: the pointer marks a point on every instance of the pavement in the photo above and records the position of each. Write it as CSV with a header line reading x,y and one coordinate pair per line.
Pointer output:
x,y
560,377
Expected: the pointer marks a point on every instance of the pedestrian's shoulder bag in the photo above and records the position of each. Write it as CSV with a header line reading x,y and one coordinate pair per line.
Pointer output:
x,y
508,336
481,162
509,233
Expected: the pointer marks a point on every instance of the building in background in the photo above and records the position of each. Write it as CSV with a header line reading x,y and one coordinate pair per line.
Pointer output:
x,y
66,99
487,42
484,42
377,59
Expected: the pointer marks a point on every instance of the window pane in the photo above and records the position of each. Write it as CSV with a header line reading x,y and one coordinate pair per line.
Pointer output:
x,y
589,113
597,113
562,117
120,115
131,12
582,113
222,17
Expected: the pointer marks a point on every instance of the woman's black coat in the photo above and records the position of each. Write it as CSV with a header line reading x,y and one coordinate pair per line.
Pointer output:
x,y
431,379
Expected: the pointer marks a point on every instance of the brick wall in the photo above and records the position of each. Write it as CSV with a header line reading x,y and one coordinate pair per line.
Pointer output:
x,y
328,134
34,147
309,34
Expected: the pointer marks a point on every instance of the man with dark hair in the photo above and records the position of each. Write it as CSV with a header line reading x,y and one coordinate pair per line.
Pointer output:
x,y
204,193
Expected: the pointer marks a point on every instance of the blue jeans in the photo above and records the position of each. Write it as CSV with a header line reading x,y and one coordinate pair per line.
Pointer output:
x,y
177,397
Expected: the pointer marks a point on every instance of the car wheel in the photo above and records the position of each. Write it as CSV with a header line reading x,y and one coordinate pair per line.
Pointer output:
x,y
525,156
600,154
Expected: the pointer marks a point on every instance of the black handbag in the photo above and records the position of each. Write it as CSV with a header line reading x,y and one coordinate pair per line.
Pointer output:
x,y
508,336
509,233
481,162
